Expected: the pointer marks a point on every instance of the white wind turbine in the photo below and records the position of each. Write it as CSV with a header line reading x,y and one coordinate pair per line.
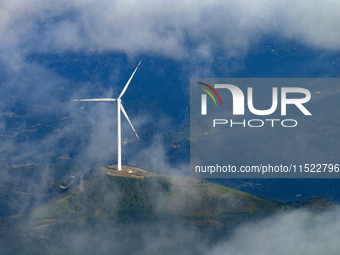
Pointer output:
x,y
119,108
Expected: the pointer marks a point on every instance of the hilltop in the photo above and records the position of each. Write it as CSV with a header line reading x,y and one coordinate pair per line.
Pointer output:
x,y
106,193
133,192
107,204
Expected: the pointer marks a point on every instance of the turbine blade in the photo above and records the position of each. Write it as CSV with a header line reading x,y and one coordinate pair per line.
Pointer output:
x,y
127,84
124,112
95,99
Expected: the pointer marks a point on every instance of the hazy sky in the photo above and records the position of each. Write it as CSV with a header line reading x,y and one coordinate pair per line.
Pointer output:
x,y
174,29
184,31
194,34
196,37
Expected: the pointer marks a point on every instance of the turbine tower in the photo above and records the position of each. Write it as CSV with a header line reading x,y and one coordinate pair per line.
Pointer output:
x,y
119,109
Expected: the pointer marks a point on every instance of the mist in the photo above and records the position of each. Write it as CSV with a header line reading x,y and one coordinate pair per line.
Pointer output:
x,y
39,126
297,232
164,27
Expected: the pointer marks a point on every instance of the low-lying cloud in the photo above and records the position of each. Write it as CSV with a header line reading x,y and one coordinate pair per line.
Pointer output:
x,y
297,232
175,29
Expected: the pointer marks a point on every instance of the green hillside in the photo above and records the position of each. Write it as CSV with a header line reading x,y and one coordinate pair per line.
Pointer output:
x,y
108,194
106,205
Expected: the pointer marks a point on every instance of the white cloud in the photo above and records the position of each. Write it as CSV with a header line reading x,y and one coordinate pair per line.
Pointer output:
x,y
297,232
168,28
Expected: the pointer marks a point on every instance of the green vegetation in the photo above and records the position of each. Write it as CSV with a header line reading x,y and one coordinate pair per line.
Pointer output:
x,y
114,203
8,114
109,196
141,195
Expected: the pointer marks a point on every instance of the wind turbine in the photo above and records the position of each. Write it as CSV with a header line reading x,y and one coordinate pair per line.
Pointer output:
x,y
119,108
